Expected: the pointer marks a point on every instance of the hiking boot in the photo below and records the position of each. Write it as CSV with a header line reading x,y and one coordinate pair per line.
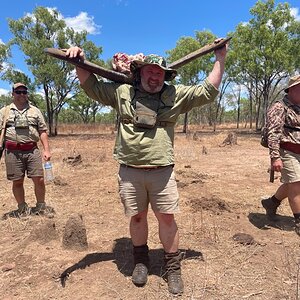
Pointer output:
x,y
22,211
271,207
140,274
42,209
175,284
141,262
173,272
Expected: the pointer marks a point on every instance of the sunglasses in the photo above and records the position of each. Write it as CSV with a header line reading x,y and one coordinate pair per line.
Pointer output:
x,y
21,92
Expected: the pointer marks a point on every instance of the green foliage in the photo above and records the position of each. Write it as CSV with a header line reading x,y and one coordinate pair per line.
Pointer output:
x,y
85,107
195,71
68,115
5,100
44,29
106,117
265,52
4,53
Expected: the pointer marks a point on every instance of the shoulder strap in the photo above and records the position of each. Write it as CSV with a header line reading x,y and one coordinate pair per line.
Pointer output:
x,y
3,129
6,115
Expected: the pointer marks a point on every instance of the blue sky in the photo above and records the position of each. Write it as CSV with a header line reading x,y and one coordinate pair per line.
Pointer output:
x,y
133,26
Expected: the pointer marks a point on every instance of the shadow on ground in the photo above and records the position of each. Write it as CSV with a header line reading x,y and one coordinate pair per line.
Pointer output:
x,y
122,257
261,221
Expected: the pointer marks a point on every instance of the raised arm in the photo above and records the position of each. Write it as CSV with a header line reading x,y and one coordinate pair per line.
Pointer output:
x,y
215,76
82,74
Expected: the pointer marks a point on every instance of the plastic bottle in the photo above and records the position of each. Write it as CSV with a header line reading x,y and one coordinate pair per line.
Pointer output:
x,y
48,171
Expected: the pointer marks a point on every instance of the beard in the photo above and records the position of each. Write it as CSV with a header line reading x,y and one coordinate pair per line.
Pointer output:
x,y
151,86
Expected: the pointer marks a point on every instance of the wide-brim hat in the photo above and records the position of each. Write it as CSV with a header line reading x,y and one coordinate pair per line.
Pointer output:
x,y
19,84
292,82
157,60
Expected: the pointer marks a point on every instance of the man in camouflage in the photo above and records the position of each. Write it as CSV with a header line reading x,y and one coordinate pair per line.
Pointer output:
x,y
283,123
25,126
148,111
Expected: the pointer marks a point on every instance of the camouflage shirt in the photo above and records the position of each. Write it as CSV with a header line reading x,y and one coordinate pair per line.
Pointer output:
x,y
148,147
34,119
283,123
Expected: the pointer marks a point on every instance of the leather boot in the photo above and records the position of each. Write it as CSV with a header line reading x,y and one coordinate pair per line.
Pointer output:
x,y
271,207
141,262
173,272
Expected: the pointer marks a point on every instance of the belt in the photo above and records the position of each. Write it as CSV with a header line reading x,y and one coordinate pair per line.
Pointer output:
x,y
295,148
146,168
158,123
9,145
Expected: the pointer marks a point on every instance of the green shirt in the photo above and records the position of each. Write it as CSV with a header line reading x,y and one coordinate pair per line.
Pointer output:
x,y
141,146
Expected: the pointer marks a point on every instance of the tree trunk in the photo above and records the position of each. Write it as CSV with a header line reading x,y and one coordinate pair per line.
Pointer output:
x,y
49,111
238,109
251,105
185,123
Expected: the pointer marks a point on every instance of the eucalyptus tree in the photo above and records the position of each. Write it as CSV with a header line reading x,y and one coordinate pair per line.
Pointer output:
x,y
266,51
44,28
85,108
4,53
195,72
188,74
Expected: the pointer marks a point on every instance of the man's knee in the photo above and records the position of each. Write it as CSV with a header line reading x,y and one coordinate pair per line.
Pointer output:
x,y
38,180
165,219
18,183
138,218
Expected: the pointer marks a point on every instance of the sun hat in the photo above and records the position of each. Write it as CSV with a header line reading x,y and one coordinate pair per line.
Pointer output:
x,y
153,59
292,82
19,84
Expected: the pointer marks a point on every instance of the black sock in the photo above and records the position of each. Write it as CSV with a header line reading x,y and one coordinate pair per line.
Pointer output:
x,y
275,200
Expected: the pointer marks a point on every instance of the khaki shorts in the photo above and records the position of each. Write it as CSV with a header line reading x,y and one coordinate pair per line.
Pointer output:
x,y
291,166
20,162
139,187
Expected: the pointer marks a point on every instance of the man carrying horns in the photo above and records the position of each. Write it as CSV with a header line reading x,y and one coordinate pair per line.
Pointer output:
x,y
148,112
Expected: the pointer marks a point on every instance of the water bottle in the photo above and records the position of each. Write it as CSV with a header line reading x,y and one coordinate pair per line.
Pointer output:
x,y
48,171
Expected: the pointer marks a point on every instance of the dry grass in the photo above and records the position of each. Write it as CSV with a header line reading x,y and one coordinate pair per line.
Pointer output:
x,y
220,196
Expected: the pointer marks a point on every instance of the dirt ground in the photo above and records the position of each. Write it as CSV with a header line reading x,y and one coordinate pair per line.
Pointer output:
x,y
220,192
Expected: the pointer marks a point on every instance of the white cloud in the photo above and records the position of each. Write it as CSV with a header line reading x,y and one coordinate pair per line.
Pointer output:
x,y
295,13
41,92
83,22
4,92
1,42
121,2
244,23
79,23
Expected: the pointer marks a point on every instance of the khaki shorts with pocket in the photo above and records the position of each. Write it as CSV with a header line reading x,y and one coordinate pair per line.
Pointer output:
x,y
139,187
291,166
20,162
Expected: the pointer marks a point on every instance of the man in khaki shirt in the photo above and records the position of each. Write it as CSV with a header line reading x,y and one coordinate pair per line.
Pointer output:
x,y
25,126
148,111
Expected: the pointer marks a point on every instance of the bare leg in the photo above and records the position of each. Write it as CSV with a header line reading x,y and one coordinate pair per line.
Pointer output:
x,y
282,192
18,190
39,189
168,232
294,197
139,229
